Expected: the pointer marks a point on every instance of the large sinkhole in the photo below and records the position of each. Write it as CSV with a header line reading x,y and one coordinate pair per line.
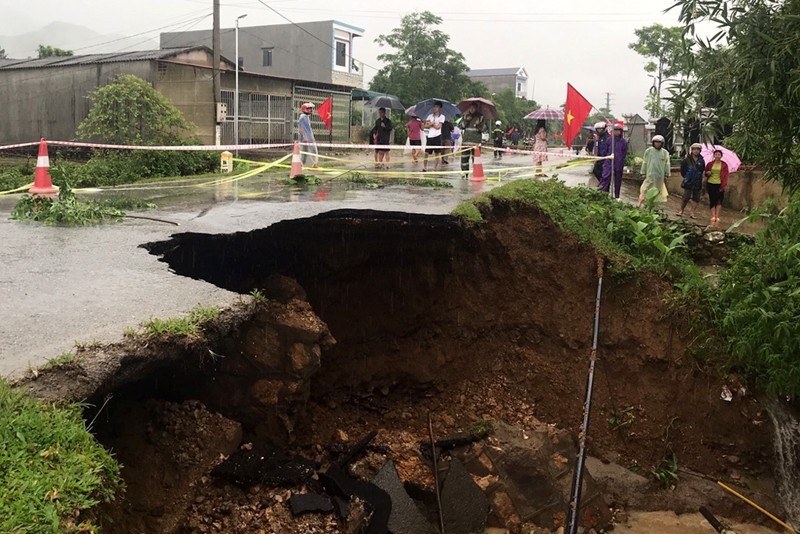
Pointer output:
x,y
372,321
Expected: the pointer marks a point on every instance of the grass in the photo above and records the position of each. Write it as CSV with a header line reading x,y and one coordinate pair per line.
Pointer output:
x,y
666,473
189,325
630,238
62,359
51,468
258,296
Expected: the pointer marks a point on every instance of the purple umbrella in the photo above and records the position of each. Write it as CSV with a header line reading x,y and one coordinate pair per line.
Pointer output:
x,y
545,114
728,156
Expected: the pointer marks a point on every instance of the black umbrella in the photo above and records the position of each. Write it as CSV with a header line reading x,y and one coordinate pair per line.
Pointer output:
x,y
386,101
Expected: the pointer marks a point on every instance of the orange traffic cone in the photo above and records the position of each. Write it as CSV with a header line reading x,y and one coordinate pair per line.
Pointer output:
x,y
297,163
477,166
42,182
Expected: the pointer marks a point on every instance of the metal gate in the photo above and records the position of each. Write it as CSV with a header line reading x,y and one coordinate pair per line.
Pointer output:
x,y
263,118
340,113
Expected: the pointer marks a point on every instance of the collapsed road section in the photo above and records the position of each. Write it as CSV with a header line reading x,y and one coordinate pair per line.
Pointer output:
x,y
364,324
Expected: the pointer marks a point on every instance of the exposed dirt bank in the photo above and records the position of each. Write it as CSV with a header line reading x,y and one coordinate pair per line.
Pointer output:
x,y
488,323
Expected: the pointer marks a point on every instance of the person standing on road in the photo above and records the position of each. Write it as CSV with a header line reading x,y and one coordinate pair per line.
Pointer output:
x,y
602,148
498,135
414,128
472,127
692,168
655,169
306,136
540,150
617,145
381,134
447,143
716,183
433,142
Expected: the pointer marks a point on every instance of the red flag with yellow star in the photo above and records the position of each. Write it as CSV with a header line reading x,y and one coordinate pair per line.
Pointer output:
x,y
325,112
575,113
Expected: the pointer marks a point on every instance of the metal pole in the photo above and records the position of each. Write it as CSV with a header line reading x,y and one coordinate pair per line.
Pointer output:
x,y
236,93
573,513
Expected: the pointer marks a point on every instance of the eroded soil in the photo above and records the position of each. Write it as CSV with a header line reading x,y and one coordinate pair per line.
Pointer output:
x,y
467,324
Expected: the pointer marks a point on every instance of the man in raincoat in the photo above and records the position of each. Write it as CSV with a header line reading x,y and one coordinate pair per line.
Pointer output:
x,y
619,146
305,135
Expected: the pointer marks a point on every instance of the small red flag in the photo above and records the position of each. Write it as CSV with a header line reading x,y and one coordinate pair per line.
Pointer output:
x,y
577,109
325,112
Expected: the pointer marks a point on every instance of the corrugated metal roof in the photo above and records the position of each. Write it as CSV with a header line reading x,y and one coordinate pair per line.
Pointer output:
x,y
92,59
510,71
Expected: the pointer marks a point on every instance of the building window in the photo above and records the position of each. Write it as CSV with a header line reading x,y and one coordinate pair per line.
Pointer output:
x,y
519,87
266,57
341,53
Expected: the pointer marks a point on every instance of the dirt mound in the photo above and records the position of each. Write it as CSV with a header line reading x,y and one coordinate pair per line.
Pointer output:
x,y
468,324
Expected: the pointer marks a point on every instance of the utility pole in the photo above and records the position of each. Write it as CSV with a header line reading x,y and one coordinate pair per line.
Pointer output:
x,y
215,40
608,102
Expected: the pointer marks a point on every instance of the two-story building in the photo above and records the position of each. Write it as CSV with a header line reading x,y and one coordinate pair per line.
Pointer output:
x,y
514,78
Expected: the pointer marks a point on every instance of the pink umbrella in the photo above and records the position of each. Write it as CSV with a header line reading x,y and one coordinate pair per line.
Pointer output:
x,y
485,107
728,156
545,114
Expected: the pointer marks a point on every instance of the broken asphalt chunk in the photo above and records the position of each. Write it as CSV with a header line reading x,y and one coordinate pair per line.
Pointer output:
x,y
337,482
264,464
405,517
464,505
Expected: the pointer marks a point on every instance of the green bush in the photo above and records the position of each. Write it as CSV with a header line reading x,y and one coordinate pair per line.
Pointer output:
x,y
110,168
13,177
51,467
758,305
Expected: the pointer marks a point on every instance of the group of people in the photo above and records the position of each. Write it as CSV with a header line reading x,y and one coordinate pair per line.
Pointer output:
x,y
695,173
439,132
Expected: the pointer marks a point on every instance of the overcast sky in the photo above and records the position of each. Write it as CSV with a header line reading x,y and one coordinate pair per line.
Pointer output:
x,y
584,42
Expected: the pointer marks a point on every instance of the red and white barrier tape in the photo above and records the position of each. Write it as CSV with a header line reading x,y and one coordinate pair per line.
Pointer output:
x,y
219,148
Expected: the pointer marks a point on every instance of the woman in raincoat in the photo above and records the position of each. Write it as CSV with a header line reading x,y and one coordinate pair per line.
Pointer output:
x,y
655,169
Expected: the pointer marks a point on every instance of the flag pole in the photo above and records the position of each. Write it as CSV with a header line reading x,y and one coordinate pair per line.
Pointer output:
x,y
330,131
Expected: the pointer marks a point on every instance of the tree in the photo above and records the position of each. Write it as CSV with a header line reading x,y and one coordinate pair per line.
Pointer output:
x,y
52,51
421,65
512,109
3,53
131,111
669,52
748,76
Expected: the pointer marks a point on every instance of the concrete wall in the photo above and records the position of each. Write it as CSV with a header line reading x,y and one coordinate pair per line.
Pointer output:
x,y
746,189
190,89
51,102
295,54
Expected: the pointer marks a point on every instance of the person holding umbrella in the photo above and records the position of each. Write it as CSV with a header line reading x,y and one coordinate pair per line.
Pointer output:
x,y
716,182
380,136
540,150
433,123
472,126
